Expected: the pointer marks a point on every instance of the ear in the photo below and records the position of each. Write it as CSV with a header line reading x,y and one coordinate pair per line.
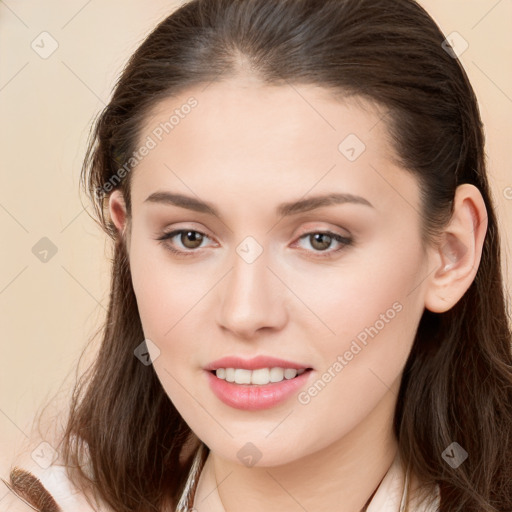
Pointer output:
x,y
117,210
457,256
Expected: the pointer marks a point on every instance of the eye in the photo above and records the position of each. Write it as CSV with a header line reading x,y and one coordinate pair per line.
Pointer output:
x,y
322,240
189,238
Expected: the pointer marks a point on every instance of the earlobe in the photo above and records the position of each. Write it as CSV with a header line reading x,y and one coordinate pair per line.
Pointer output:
x,y
455,260
117,210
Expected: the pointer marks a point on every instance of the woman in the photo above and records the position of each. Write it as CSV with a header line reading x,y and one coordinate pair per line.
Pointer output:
x,y
307,309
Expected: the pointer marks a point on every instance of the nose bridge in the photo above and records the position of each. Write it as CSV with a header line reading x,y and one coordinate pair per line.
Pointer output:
x,y
250,296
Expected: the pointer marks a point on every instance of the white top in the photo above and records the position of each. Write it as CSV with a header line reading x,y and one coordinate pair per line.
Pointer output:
x,y
391,495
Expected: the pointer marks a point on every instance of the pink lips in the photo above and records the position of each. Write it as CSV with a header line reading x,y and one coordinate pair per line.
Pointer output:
x,y
252,397
253,364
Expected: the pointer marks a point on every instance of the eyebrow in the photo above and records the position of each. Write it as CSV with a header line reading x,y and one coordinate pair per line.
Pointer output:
x,y
283,210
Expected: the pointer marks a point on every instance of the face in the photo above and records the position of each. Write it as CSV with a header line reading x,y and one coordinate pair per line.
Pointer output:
x,y
336,289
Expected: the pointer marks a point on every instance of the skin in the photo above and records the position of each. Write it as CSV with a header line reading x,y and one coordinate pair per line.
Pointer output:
x,y
246,148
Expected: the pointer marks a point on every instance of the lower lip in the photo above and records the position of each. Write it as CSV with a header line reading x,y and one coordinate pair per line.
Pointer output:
x,y
255,397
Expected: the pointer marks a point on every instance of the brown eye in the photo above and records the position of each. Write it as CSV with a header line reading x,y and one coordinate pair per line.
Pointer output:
x,y
321,242
191,239
183,242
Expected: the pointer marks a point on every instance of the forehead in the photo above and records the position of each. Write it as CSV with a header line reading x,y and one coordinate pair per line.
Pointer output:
x,y
241,107
244,137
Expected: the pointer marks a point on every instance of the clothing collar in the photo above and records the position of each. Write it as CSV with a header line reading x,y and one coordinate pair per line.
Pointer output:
x,y
394,493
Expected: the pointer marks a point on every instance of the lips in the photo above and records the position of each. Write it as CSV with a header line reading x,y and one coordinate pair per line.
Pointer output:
x,y
254,363
256,397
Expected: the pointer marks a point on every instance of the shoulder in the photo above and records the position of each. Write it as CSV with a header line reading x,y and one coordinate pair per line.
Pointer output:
x,y
38,479
48,490
37,476
27,493
11,501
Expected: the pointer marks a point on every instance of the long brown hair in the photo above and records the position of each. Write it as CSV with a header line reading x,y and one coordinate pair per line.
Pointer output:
x,y
124,438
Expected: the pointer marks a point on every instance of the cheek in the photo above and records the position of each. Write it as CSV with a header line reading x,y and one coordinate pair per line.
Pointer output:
x,y
167,294
369,310
169,304
374,319
388,272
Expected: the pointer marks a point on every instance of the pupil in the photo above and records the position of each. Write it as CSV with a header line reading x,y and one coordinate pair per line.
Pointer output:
x,y
319,236
191,237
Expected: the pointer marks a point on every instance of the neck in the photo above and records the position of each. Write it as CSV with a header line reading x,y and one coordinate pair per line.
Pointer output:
x,y
341,477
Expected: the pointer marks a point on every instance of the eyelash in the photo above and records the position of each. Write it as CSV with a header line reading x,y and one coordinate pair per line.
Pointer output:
x,y
344,241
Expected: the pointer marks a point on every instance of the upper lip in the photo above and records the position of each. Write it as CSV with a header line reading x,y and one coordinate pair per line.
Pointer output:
x,y
254,363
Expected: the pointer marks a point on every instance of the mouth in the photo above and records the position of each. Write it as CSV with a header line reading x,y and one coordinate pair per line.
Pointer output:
x,y
259,376
261,388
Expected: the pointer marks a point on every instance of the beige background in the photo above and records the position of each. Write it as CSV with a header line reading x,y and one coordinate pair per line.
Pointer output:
x,y
50,310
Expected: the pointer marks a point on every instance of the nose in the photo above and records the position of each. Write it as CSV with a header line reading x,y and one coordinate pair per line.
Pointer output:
x,y
252,299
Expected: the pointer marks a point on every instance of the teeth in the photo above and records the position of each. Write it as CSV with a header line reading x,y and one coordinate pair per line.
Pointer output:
x,y
242,376
261,376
